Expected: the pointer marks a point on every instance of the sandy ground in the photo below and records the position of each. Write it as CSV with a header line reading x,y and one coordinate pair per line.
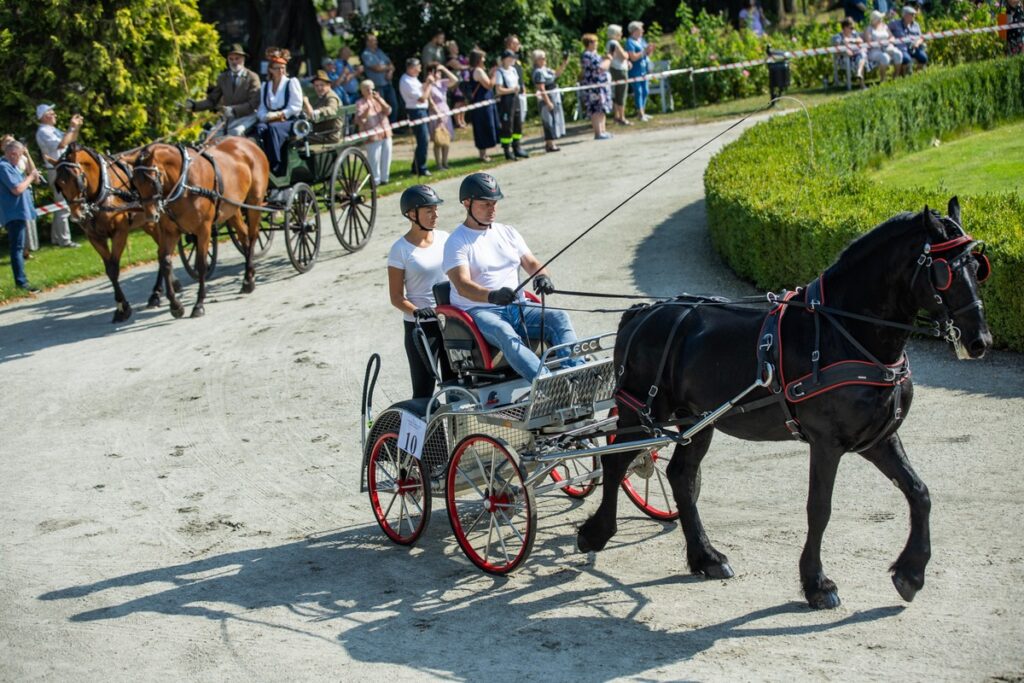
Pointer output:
x,y
180,497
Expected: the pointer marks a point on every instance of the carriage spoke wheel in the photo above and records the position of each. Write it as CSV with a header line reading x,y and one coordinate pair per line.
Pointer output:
x,y
491,510
399,490
188,247
302,228
646,484
570,469
352,199
264,237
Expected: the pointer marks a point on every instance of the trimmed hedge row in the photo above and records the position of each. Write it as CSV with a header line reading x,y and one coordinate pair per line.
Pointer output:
x,y
779,218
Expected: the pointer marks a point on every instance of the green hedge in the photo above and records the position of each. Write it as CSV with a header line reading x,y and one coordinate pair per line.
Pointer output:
x,y
778,220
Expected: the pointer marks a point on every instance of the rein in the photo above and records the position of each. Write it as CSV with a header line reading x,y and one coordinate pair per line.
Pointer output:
x,y
91,207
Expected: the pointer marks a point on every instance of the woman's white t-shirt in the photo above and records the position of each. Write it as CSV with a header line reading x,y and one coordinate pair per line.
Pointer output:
x,y
422,266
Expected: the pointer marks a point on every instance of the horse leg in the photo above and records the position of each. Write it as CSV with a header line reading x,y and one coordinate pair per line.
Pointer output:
x,y
113,266
202,244
167,242
820,591
154,297
110,268
683,470
908,569
251,236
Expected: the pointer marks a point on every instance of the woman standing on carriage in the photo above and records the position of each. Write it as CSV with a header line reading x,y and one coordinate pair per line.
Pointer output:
x,y
280,104
414,267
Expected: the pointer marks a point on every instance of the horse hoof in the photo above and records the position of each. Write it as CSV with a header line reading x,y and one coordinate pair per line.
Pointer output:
x,y
904,587
177,287
718,571
154,301
198,312
583,544
824,600
247,287
121,316
178,312
587,545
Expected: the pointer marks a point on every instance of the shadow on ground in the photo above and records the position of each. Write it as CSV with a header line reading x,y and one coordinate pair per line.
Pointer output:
x,y
428,609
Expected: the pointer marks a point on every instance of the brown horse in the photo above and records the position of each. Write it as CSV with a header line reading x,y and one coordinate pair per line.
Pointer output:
x,y
187,191
101,200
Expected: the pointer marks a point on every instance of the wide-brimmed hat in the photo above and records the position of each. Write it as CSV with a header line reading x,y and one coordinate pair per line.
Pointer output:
x,y
321,75
236,49
42,109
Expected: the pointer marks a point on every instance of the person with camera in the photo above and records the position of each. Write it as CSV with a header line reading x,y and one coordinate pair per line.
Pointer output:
x,y
482,259
52,142
372,113
17,208
414,267
236,94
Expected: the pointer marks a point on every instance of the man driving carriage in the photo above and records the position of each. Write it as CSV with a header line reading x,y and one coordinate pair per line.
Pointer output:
x,y
482,259
236,94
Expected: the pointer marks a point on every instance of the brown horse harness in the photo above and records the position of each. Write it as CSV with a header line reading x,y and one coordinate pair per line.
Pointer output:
x,y
91,207
182,185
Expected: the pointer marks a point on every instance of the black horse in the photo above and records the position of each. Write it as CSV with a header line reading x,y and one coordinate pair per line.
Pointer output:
x,y
862,309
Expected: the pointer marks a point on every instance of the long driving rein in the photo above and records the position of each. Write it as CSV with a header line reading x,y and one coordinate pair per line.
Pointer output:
x,y
91,207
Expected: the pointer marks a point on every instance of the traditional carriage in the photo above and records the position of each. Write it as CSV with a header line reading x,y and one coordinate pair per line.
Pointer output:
x,y
334,176
490,442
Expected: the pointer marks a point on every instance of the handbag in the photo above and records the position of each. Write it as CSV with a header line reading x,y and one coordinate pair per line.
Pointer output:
x,y
441,136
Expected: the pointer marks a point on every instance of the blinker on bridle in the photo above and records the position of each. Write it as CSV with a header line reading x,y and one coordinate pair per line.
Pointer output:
x,y
941,272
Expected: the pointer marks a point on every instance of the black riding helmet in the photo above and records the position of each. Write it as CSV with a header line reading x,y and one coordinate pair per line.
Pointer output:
x,y
417,197
479,186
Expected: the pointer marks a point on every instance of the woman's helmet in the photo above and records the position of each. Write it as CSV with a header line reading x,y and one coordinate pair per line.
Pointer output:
x,y
418,196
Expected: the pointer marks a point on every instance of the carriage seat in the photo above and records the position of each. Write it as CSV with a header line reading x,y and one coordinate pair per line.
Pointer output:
x,y
468,352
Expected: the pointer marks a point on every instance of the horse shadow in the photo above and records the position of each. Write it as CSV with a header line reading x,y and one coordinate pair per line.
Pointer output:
x,y
681,246
84,311
428,609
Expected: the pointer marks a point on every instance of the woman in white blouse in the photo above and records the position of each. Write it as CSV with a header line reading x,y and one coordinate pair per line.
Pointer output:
x,y
414,267
280,103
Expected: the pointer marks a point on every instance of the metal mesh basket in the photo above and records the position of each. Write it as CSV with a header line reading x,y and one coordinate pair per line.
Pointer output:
x,y
565,394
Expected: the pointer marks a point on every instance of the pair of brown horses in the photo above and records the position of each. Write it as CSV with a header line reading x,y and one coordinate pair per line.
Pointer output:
x,y
166,190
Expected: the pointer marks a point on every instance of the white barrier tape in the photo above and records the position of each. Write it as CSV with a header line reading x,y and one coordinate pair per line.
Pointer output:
x,y
51,208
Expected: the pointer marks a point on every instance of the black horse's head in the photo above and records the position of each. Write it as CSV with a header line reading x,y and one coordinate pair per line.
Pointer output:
x,y
949,268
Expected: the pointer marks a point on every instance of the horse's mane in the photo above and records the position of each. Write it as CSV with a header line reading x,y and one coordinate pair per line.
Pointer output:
x,y
897,230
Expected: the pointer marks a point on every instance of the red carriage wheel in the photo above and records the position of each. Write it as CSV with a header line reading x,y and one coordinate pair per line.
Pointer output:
x,y
570,469
490,508
399,490
646,484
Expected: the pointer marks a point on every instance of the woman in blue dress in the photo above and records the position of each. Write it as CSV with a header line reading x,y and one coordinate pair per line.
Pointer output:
x,y
484,119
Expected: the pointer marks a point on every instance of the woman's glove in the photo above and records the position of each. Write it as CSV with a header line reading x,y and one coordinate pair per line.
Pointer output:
x,y
425,313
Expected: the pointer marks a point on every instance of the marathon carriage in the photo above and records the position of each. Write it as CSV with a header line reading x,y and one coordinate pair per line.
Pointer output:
x,y
333,176
490,442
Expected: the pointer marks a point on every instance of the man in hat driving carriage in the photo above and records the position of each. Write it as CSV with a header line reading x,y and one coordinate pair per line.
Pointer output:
x,y
236,94
482,259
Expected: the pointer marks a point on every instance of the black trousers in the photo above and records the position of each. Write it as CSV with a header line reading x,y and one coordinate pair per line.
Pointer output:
x,y
510,119
422,378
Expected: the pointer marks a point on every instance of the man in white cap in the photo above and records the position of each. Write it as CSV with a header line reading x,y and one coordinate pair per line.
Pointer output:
x,y
52,142
907,27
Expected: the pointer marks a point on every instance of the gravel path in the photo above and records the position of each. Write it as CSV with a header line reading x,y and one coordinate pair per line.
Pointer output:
x,y
180,497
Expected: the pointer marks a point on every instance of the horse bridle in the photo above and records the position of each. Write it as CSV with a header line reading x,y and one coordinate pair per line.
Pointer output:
x,y
941,272
154,174
90,207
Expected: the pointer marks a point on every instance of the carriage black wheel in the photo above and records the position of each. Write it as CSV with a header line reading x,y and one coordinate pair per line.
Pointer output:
x,y
352,199
266,236
187,250
302,227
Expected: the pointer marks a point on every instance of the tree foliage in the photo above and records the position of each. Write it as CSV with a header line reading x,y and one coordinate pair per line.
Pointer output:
x,y
125,65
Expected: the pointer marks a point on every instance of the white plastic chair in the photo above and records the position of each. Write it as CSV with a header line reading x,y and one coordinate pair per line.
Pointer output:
x,y
661,87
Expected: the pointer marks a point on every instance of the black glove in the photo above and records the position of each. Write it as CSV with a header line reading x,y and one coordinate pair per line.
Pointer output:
x,y
542,285
425,313
501,297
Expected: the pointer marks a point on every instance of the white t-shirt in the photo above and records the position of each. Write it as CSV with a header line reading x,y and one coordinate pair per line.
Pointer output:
x,y
509,78
492,255
412,90
422,266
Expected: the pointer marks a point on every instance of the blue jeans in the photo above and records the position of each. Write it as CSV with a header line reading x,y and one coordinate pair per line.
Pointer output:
x,y
640,94
419,160
16,237
387,91
508,327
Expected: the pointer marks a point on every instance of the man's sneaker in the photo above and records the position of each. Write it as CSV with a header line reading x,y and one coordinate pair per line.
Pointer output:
x,y
71,245
29,288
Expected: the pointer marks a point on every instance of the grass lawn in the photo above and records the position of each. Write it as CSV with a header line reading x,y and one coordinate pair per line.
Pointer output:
x,y
54,266
989,161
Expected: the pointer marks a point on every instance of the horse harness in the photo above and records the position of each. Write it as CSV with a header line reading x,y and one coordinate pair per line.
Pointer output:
x,y
869,372
216,194
90,207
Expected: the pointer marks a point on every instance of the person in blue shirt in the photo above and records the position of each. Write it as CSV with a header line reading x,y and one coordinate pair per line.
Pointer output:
x,y
907,27
640,64
17,207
